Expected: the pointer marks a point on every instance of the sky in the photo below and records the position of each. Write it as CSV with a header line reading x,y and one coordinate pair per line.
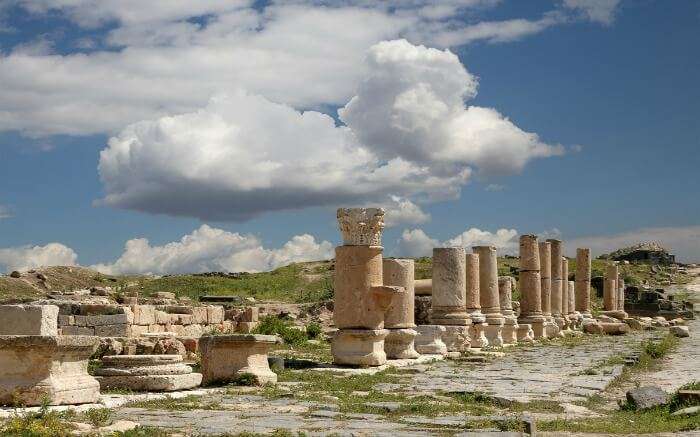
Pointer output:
x,y
223,134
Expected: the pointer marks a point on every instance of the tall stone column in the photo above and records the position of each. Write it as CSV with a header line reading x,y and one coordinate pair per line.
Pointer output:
x,y
620,293
530,289
488,294
545,251
574,315
505,293
610,288
565,286
449,297
399,318
557,283
360,299
473,303
583,282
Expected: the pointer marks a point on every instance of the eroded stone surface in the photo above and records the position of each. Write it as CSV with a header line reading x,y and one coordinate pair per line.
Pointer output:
x,y
224,357
28,320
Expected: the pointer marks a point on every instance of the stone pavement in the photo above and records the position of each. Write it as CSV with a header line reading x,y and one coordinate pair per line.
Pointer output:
x,y
682,366
549,372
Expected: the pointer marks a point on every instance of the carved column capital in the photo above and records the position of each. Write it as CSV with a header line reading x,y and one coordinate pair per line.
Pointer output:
x,y
361,226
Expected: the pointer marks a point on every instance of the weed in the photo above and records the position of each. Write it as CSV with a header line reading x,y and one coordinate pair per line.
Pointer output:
x,y
313,330
99,417
273,325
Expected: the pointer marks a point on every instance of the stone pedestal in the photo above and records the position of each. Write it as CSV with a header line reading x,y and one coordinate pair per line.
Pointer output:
x,y
429,340
473,302
530,286
34,368
359,347
399,318
226,357
449,297
510,326
146,373
488,294
399,344
525,333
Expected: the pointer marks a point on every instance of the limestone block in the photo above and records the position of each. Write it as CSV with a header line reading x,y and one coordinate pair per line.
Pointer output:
x,y
65,320
224,357
34,368
193,330
179,309
399,344
77,330
114,330
144,370
505,293
144,314
140,330
28,320
509,333
429,340
618,328
525,333
530,284
250,314
545,251
400,272
155,328
164,295
146,373
151,382
477,334
87,309
98,320
199,315
246,327
680,331
162,317
456,338
182,319
494,334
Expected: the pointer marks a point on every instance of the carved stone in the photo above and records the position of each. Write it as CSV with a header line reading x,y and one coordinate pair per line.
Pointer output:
x,y
359,347
361,226
457,338
449,291
400,273
226,357
429,340
510,327
35,368
399,344
146,373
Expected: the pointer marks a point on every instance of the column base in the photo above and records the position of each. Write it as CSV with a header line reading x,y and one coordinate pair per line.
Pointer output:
x,y
456,338
525,333
453,316
494,334
399,344
616,314
552,329
537,324
359,347
429,340
510,331
477,335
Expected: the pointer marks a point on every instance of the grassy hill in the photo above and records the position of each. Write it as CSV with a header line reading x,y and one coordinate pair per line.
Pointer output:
x,y
295,283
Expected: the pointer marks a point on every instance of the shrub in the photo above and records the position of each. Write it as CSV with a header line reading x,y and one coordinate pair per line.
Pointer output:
x,y
99,416
272,325
313,330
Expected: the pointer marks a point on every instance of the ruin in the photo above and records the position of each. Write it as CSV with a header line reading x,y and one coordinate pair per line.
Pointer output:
x,y
399,318
429,340
449,297
530,288
227,357
146,373
473,303
510,326
557,287
582,289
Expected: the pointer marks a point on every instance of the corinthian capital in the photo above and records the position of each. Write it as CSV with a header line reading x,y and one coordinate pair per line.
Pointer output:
x,y
361,226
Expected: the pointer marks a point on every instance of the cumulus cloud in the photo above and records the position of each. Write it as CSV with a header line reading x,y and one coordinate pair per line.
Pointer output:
x,y
29,257
684,241
211,249
416,243
164,57
408,135
600,11
402,211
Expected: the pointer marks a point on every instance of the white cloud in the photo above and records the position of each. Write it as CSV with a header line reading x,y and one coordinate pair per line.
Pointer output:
x,y
29,257
162,57
402,211
5,212
495,187
600,11
416,243
211,249
408,135
684,241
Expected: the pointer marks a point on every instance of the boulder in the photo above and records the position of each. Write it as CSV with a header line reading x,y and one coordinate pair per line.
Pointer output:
x,y
169,346
680,331
647,397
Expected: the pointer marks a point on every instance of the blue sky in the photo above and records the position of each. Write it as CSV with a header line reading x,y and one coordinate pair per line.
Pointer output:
x,y
617,92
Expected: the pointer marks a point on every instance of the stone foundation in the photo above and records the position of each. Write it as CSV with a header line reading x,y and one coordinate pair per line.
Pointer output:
x,y
429,340
36,368
525,333
399,344
146,373
456,338
477,334
226,357
359,347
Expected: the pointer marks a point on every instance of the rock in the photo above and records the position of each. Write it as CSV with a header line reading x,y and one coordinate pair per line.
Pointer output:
x,y
169,346
689,410
15,274
118,426
634,324
29,320
680,331
99,291
41,276
276,363
109,346
163,295
647,397
615,328
592,328
389,407
144,347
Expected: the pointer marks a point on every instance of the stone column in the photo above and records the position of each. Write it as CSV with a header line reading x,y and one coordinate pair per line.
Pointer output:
x,y
545,251
399,344
610,288
573,314
361,299
583,282
530,290
510,327
565,286
477,329
488,294
449,297
557,284
620,293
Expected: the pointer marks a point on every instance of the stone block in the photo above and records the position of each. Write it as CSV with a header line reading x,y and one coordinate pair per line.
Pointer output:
x,y
191,344
181,319
193,330
225,357
359,347
113,330
78,330
178,309
144,314
250,314
100,309
456,338
29,320
156,328
65,320
399,344
647,397
98,320
163,295
680,331
139,330
215,314
429,340
54,368
199,315
162,317
246,327
147,373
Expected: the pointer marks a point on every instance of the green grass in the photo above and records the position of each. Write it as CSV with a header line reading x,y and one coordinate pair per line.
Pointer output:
x,y
187,403
99,416
43,423
295,283
626,422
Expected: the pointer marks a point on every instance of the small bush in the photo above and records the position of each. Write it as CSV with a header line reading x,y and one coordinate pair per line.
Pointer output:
x,y
313,330
272,325
99,416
